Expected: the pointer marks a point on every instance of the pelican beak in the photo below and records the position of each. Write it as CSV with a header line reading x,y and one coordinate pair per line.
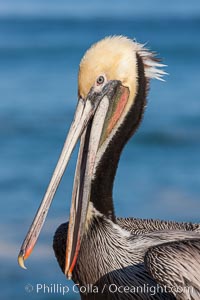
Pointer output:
x,y
99,127
82,123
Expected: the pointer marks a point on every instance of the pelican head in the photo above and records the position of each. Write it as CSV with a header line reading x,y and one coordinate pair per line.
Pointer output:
x,y
113,77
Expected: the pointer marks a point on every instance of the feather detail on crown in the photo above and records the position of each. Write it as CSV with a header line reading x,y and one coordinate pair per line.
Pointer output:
x,y
152,65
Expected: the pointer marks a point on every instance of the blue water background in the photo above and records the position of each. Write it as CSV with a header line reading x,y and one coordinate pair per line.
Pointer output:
x,y
41,44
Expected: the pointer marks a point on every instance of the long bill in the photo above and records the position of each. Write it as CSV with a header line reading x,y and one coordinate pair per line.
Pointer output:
x,y
108,112
81,123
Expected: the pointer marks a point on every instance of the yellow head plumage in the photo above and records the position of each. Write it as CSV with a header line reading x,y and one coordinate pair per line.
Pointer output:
x,y
115,57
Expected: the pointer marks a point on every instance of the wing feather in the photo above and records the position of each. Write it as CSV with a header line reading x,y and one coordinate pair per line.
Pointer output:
x,y
176,265
141,226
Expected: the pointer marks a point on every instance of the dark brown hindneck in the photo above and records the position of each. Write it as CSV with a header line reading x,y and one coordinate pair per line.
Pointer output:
x,y
102,185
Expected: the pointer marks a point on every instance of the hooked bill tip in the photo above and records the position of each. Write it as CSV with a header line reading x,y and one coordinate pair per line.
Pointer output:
x,y
21,260
68,272
69,275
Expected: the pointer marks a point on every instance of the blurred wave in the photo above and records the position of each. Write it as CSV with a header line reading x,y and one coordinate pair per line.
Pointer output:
x,y
51,34
89,8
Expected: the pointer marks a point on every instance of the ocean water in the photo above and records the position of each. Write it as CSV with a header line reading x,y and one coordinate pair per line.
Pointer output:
x,y
41,44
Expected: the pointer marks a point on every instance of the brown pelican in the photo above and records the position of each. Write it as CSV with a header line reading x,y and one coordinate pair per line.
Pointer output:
x,y
115,258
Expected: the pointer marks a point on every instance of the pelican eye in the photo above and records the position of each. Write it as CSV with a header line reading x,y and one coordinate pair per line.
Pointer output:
x,y
100,80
